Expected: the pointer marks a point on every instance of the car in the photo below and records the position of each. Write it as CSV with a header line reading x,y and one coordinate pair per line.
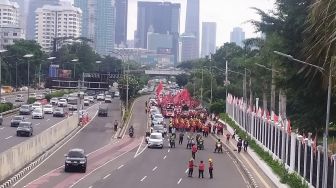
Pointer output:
x,y
24,128
19,98
102,111
159,128
72,107
158,117
3,100
91,99
54,101
16,120
24,110
116,94
32,95
100,97
62,103
36,105
155,140
38,113
86,102
75,158
39,96
48,109
58,112
108,99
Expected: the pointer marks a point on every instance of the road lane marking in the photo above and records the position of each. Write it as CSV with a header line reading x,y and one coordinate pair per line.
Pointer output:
x,y
48,120
154,168
2,128
120,167
143,178
168,150
107,176
136,153
165,157
186,171
179,181
8,137
90,186
37,123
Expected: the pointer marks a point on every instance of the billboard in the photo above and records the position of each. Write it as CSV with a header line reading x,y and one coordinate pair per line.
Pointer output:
x,y
53,71
63,73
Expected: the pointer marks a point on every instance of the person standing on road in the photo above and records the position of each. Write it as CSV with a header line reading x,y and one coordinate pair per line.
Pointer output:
x,y
245,144
193,151
181,137
201,167
191,167
210,168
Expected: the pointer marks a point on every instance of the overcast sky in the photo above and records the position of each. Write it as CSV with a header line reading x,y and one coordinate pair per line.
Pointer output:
x,y
227,14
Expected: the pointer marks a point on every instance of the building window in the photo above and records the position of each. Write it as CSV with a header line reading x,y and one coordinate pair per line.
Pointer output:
x,y
6,34
15,34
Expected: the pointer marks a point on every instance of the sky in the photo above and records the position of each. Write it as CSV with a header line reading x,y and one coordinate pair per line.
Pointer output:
x,y
226,13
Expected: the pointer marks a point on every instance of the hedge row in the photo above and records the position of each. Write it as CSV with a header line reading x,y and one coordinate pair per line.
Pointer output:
x,y
291,179
5,107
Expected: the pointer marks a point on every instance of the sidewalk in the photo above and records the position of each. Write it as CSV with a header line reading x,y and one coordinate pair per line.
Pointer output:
x,y
262,174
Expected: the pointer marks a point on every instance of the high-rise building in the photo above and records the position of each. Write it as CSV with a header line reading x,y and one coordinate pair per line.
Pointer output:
x,y
161,43
88,21
10,29
192,24
237,36
62,20
208,38
121,22
23,12
188,47
105,26
163,18
30,24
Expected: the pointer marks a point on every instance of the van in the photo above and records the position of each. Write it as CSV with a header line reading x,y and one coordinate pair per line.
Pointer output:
x,y
102,111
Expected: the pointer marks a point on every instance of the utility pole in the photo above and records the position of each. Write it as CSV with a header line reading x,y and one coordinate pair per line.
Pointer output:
x,y
226,78
273,90
244,87
202,87
39,78
78,100
211,86
127,87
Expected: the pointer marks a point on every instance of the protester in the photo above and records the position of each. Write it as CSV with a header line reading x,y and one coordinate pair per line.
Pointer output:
x,y
245,144
210,168
193,151
181,138
191,167
201,167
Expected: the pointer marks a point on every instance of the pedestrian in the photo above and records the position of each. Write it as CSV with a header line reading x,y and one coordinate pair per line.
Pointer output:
x,y
201,167
193,151
239,144
191,167
210,168
245,144
181,137
234,134
228,135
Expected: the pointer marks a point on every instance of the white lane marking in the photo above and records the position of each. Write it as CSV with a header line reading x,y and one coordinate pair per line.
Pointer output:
x,y
48,120
143,178
54,153
179,181
186,171
168,150
165,157
107,176
8,137
2,128
136,153
154,168
37,123
90,186
120,167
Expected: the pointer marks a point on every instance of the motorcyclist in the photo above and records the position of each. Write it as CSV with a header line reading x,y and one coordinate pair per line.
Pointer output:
x,y
131,129
172,140
218,145
116,125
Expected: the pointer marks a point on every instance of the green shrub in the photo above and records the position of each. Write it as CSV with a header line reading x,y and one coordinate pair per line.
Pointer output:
x,y
291,179
5,107
217,107
31,100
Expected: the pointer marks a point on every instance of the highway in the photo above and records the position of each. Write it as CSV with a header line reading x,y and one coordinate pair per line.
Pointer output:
x,y
127,162
8,136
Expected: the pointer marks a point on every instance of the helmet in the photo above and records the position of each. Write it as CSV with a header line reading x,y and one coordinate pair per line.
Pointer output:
x,y
218,140
210,160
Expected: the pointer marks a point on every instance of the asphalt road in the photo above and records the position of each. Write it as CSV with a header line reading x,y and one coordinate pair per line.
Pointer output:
x,y
98,133
8,136
11,97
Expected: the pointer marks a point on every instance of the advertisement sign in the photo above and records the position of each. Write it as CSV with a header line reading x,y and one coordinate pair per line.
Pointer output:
x,y
53,71
63,73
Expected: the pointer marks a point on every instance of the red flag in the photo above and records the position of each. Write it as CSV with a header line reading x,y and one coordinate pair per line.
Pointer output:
x,y
159,88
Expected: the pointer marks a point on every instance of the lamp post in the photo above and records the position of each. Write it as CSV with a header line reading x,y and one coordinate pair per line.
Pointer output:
x,y
1,51
74,62
326,133
28,56
98,63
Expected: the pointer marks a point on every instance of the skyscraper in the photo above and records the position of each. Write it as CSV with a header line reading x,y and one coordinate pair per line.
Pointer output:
x,y
32,6
163,18
121,22
208,38
237,36
88,21
192,23
105,26
188,47
63,20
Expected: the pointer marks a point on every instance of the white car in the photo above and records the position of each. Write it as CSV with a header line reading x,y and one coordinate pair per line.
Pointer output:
x,y
62,103
37,113
36,105
155,140
108,99
100,97
54,101
19,98
91,99
32,95
3,100
158,117
117,94
48,109
86,102
39,97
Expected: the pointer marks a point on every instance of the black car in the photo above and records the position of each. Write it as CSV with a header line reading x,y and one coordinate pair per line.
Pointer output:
x,y
24,128
58,112
102,111
75,159
16,120
25,110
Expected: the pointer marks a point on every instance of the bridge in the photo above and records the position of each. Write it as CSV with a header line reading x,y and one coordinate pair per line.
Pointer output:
x,y
163,72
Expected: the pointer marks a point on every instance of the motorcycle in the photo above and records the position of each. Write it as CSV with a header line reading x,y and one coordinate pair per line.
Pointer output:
x,y
190,143
172,143
131,134
219,148
200,145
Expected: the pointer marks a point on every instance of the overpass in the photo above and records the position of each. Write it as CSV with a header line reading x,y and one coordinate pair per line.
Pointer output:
x,y
163,72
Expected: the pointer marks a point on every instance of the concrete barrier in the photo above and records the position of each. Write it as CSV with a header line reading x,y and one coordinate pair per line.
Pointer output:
x,y
15,158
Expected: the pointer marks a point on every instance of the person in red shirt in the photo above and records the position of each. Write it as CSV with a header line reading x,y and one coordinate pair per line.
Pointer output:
x,y
191,167
193,151
201,167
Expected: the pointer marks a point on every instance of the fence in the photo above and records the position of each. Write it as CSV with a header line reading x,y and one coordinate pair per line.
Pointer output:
x,y
298,152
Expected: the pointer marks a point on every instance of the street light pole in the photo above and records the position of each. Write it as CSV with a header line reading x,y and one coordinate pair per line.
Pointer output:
x,y
1,51
28,56
127,87
202,87
211,86
74,62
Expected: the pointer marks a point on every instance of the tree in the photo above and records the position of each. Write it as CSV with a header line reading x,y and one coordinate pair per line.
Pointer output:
x,y
182,79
